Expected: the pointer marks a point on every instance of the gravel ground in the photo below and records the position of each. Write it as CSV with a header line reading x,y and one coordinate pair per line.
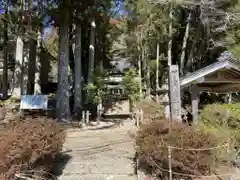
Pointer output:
x,y
104,154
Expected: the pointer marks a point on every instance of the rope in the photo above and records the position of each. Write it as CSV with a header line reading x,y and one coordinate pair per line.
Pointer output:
x,y
199,149
195,176
193,149
190,175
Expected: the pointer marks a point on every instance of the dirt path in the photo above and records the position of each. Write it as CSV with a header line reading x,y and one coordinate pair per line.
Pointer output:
x,y
99,154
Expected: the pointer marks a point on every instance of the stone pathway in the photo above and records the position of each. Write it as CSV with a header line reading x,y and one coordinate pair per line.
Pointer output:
x,y
236,174
99,154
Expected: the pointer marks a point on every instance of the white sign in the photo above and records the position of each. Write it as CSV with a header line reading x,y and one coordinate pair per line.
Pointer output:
x,y
34,102
175,97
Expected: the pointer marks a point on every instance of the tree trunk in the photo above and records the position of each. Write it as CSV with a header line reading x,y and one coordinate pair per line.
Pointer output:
x,y
189,65
77,108
26,50
32,64
148,81
63,109
25,83
70,46
157,72
139,67
91,53
18,68
167,108
37,82
99,110
140,75
200,53
18,75
185,39
170,35
144,65
5,60
144,71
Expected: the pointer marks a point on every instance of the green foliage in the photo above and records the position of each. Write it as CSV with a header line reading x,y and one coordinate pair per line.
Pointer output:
x,y
51,42
152,110
95,92
130,85
233,40
234,116
224,119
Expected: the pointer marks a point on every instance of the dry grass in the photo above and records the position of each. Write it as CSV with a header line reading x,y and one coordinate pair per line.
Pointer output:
x,y
32,144
153,139
152,111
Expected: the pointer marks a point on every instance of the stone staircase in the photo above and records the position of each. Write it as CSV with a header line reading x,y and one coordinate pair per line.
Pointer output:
x,y
99,155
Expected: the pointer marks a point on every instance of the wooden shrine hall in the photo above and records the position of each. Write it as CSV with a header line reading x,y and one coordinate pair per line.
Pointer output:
x,y
220,77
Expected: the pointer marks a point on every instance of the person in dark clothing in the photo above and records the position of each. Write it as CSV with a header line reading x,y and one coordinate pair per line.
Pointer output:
x,y
187,117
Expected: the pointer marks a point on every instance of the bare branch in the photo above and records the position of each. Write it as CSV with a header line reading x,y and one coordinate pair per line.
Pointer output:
x,y
212,13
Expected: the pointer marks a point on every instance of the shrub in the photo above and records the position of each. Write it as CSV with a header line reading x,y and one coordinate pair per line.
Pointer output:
x,y
131,85
29,145
222,118
153,139
152,111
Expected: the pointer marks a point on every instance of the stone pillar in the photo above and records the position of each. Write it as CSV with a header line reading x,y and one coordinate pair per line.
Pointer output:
x,y
195,101
174,93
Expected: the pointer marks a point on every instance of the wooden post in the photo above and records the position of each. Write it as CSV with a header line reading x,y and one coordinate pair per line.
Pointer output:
x,y
136,165
194,99
137,118
99,112
166,105
141,116
157,97
87,117
230,159
230,98
83,116
170,162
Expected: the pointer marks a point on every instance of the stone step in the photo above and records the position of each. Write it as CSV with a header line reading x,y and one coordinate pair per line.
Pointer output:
x,y
97,168
98,177
105,152
80,148
120,157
